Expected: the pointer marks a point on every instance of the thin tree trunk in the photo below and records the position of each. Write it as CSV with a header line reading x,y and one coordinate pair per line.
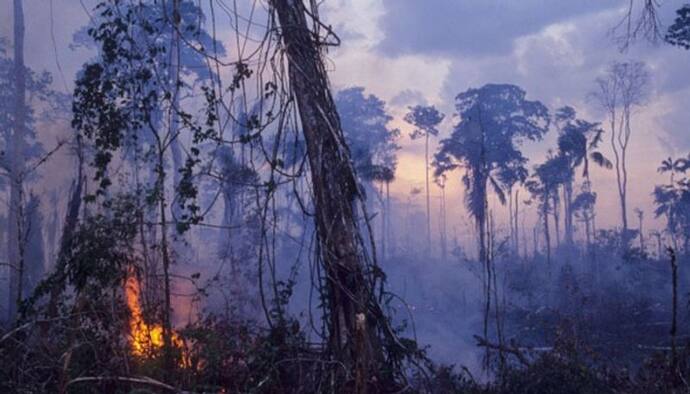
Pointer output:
x,y
641,236
16,165
174,122
547,238
674,273
384,219
556,218
511,225
515,220
388,220
165,254
428,204
568,201
588,234
442,221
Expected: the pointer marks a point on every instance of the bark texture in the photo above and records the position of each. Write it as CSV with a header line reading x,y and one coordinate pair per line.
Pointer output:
x,y
353,319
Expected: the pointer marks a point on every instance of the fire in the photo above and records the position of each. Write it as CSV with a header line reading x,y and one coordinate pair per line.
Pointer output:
x,y
145,339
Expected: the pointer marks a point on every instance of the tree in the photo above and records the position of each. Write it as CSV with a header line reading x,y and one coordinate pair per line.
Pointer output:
x,y
578,141
678,33
129,97
672,200
355,320
493,121
372,144
440,181
543,185
582,207
484,144
20,89
620,93
365,121
425,119
17,164
510,177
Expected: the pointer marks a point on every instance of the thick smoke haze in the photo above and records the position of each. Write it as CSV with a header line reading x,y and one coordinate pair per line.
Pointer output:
x,y
419,185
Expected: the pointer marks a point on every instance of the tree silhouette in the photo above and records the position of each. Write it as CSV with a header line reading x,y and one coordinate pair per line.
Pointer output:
x,y
672,200
494,119
425,119
22,93
678,33
365,124
543,185
129,99
372,144
619,93
577,144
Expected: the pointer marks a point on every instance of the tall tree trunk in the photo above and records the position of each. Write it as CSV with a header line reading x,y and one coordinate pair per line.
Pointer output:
x,y
384,220
354,314
174,125
16,165
624,169
165,254
547,237
389,237
619,161
515,220
428,204
442,223
568,212
556,218
588,232
511,224
641,234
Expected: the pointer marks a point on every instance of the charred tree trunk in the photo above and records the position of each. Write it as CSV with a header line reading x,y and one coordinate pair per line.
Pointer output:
x,y
353,314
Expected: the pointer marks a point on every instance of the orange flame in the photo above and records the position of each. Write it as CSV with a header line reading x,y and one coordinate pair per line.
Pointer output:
x,y
145,339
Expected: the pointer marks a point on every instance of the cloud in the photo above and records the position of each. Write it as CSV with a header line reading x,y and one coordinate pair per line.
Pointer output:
x,y
475,28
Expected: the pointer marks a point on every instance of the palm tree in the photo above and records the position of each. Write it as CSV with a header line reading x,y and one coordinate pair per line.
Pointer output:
x,y
543,185
577,144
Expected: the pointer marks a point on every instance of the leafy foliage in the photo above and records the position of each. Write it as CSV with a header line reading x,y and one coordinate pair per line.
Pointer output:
x,y
679,32
494,120
371,142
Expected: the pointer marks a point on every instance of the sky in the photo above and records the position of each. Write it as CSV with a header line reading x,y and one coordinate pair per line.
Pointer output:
x,y
411,52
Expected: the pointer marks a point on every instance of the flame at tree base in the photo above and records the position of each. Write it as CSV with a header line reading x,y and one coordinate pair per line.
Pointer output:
x,y
146,340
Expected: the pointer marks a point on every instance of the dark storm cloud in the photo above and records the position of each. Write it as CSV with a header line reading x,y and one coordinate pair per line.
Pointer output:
x,y
472,27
